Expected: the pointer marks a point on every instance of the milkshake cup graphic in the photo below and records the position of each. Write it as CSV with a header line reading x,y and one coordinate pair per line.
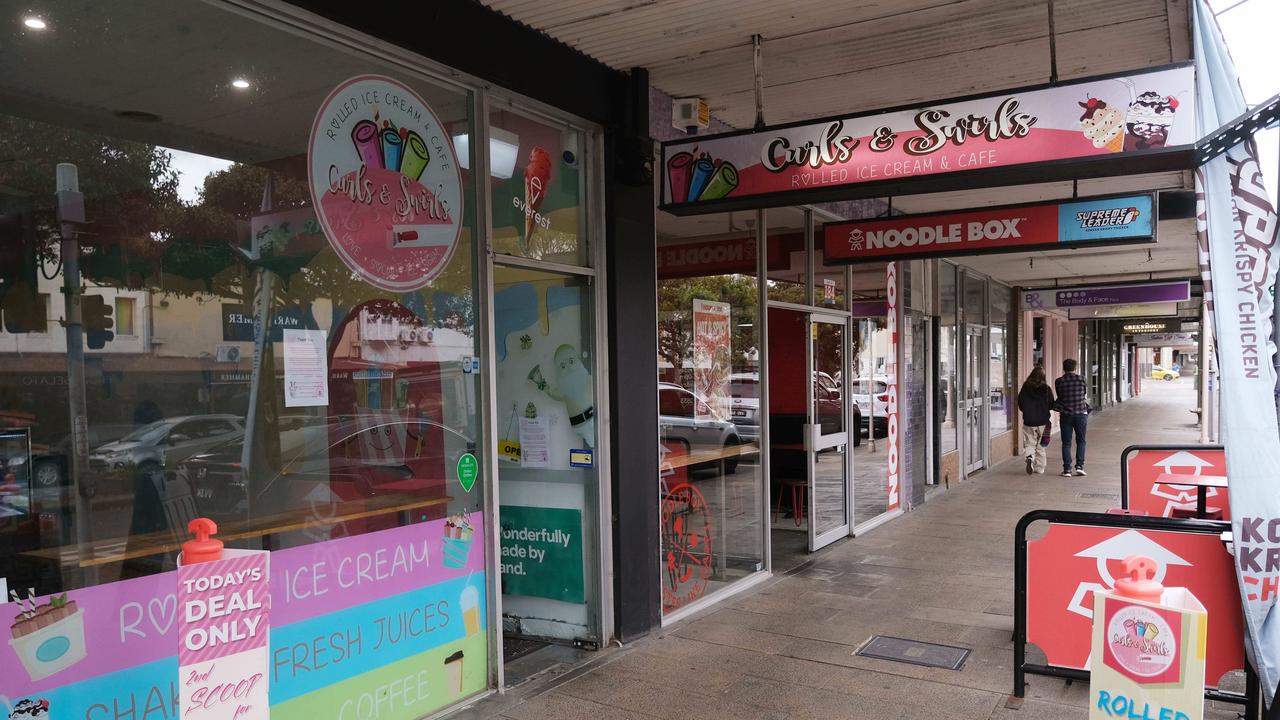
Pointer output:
x,y
49,638
470,603
453,673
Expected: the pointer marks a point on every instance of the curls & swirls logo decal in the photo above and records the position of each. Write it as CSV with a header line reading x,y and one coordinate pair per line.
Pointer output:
x,y
385,183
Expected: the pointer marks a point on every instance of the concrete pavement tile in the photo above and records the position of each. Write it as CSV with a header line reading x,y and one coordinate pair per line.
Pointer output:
x,y
664,701
566,707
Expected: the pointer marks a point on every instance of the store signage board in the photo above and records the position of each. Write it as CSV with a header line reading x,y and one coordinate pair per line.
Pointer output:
x,y
1117,124
1101,312
1172,340
1148,326
1038,226
1075,296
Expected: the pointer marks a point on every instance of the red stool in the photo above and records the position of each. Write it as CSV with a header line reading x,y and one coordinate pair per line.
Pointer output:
x,y
799,492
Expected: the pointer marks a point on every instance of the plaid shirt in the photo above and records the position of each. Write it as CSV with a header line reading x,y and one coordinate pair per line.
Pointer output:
x,y
1072,394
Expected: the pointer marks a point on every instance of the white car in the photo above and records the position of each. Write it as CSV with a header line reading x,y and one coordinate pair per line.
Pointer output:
x,y
872,394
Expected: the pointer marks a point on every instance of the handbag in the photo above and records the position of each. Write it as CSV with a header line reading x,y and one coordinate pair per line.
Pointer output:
x,y
1044,436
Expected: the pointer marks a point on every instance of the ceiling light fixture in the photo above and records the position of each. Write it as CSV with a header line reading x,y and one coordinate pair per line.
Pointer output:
x,y
240,84
35,22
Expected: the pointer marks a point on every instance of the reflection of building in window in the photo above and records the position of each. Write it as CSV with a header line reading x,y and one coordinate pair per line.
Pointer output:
x,y
42,317
124,316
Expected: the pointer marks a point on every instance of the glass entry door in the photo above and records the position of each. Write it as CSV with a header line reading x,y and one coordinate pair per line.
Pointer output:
x,y
827,433
975,405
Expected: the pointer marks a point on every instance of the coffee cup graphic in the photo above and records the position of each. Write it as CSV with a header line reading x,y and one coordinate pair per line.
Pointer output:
x,y
453,673
49,638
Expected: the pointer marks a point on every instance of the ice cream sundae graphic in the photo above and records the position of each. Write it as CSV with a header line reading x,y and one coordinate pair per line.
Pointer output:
x,y
458,531
47,638
537,179
28,709
1102,124
1148,119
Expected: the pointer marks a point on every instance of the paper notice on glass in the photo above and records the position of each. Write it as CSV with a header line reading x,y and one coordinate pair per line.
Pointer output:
x,y
306,371
534,443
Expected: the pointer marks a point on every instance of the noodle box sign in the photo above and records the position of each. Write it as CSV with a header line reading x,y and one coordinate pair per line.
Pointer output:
x,y
1148,659
224,611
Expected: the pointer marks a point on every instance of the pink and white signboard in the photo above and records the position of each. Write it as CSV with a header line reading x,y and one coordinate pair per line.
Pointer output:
x,y
224,608
1133,113
385,181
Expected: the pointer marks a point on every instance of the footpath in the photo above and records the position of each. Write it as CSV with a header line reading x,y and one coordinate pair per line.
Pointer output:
x,y
942,573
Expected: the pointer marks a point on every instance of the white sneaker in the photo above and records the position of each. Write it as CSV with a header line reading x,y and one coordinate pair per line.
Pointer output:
x,y
1080,471
1040,472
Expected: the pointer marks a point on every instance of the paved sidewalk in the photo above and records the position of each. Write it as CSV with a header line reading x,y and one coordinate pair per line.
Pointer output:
x,y
943,573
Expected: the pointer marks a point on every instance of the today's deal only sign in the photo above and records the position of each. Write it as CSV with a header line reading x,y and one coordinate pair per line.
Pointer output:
x,y
224,622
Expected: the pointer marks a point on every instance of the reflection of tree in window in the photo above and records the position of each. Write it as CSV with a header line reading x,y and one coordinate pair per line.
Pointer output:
x,y
675,316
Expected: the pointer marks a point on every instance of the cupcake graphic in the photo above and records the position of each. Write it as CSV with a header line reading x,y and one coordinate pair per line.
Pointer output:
x,y
457,540
1102,124
48,638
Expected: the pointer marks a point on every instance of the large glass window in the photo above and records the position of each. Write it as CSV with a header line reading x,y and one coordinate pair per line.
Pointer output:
x,y
1001,367
947,358
709,419
293,358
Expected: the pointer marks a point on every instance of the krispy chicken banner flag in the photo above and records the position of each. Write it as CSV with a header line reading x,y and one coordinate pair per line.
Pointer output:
x,y
1094,221
1139,112
1236,225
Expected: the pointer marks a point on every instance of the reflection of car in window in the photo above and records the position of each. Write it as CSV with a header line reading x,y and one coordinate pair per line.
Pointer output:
x,y
872,394
687,418
164,443
407,457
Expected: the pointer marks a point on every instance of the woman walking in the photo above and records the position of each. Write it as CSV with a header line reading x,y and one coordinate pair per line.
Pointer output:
x,y
1035,399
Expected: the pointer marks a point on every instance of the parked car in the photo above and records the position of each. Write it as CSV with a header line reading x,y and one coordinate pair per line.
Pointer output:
x,y
343,471
872,394
1159,373
164,443
50,468
744,391
688,418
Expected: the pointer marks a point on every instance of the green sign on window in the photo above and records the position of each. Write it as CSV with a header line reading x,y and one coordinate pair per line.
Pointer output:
x,y
542,552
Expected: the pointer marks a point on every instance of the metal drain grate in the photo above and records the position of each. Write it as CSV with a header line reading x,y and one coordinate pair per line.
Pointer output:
x,y
914,652
1098,496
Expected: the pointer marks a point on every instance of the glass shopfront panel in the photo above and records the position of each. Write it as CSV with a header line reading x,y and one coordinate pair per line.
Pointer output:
x,y
709,389
286,249
946,417
1003,394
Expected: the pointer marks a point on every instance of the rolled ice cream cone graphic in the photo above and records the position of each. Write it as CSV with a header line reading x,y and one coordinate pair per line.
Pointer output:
x,y
469,601
703,168
453,673
537,178
392,148
722,182
365,136
416,158
679,171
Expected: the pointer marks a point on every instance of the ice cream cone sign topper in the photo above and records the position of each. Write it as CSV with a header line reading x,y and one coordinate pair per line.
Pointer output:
x,y
537,179
571,385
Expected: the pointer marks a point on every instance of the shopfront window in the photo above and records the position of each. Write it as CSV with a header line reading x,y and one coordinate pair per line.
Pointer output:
x,y
537,176
788,261
283,240
1003,394
945,417
709,389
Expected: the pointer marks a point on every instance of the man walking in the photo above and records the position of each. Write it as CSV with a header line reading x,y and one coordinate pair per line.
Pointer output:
x,y
1073,409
